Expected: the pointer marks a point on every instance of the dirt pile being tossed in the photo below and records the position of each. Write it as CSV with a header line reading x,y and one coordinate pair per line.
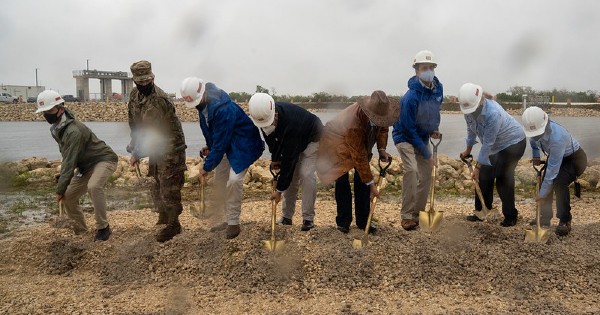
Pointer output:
x,y
465,268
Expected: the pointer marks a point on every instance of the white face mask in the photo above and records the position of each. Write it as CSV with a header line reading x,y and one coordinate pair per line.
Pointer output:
x,y
268,129
427,76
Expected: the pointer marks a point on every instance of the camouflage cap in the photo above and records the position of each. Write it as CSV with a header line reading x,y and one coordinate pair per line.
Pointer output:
x,y
142,71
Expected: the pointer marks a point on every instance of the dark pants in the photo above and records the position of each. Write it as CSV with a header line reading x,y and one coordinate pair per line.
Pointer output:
x,y
571,167
343,199
502,172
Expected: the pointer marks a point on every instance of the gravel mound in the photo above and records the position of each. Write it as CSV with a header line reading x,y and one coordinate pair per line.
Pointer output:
x,y
465,268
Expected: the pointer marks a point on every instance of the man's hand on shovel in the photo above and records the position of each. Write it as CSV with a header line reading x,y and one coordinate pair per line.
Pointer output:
x,y
384,156
276,196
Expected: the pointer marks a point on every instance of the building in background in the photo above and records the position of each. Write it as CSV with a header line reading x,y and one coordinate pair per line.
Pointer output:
x,y
23,92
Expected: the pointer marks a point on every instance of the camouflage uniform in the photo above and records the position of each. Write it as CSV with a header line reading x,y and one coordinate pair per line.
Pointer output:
x,y
156,132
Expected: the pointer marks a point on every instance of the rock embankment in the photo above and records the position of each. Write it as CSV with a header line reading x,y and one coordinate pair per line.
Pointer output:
x,y
452,176
117,111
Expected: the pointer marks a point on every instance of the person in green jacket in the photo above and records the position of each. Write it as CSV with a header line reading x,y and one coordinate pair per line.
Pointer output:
x,y
87,163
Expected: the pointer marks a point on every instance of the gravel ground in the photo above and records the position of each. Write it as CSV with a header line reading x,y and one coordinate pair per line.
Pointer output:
x,y
465,268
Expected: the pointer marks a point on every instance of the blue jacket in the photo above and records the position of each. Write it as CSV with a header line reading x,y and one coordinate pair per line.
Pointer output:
x,y
558,143
496,129
419,115
228,130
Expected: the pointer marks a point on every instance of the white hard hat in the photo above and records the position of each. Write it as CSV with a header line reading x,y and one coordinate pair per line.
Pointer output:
x,y
262,109
469,97
48,99
192,90
424,56
534,121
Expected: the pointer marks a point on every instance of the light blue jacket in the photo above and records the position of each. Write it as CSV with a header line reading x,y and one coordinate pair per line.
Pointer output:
x,y
496,129
557,143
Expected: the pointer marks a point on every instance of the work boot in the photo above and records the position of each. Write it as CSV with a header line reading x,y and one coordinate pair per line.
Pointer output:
x,y
473,218
509,222
232,231
103,234
563,228
163,218
307,225
408,224
168,232
219,227
343,229
284,221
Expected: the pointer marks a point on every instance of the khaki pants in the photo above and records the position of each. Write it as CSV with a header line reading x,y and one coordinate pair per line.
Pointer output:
x,y
415,183
228,190
92,182
305,172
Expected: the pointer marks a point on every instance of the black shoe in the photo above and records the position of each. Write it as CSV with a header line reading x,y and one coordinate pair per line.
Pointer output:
x,y
162,218
343,229
563,228
172,229
103,234
232,231
307,225
473,218
284,221
509,222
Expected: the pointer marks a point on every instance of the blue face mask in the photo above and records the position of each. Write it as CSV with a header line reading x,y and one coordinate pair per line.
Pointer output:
x,y
427,76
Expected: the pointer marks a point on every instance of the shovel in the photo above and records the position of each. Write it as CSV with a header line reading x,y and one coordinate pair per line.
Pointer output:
x,y
61,209
537,234
484,212
201,212
272,244
432,219
364,240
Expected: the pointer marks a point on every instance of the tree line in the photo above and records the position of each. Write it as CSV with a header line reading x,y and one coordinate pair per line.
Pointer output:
x,y
514,94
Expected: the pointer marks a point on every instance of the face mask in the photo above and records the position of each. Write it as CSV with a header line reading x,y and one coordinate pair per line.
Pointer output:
x,y
427,76
52,118
268,129
145,89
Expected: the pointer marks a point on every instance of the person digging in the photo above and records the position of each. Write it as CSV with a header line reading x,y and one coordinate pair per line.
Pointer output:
x,y
292,134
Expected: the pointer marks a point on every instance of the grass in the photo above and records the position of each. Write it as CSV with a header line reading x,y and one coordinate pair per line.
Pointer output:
x,y
19,206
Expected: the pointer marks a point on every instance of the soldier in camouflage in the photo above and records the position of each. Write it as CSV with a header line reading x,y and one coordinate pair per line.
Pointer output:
x,y
156,133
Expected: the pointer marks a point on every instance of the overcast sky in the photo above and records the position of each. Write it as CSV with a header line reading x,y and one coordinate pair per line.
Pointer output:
x,y
348,47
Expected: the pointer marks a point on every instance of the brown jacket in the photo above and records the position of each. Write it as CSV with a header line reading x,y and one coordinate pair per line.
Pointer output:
x,y
343,145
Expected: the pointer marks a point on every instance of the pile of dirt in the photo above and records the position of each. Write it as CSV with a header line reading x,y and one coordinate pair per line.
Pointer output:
x,y
464,268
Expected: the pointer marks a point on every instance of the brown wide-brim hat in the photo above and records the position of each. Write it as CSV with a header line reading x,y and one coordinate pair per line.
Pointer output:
x,y
142,71
380,109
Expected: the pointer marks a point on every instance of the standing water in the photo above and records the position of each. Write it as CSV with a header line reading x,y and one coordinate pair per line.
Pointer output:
x,y
19,140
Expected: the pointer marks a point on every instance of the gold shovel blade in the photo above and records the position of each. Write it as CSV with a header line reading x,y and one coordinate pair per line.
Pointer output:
x,y
273,245
482,214
360,243
536,235
430,221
